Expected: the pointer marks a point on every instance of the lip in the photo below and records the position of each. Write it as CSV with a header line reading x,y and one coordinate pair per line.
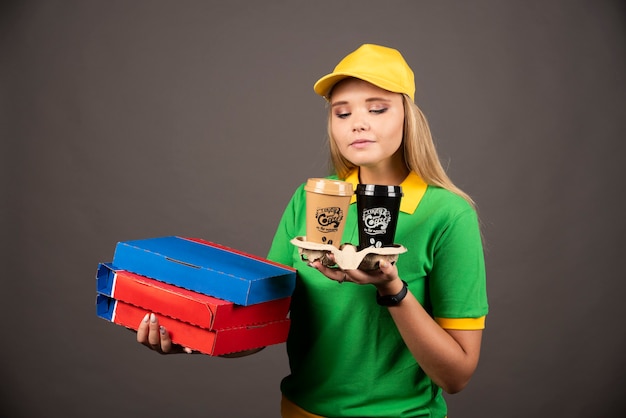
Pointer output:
x,y
361,143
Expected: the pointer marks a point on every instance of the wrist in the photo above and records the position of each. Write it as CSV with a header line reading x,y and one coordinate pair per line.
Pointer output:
x,y
389,288
392,299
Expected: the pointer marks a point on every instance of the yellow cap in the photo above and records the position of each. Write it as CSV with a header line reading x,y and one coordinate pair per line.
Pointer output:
x,y
382,66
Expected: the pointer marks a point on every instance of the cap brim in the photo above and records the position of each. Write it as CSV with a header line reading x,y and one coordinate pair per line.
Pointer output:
x,y
326,83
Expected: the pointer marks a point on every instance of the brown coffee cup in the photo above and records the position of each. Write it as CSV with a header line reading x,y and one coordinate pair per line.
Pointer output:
x,y
327,203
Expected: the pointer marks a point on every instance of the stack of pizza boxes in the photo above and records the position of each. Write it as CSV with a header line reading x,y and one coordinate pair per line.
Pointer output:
x,y
212,299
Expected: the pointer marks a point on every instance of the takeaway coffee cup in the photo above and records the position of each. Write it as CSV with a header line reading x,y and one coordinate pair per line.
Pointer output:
x,y
327,203
378,207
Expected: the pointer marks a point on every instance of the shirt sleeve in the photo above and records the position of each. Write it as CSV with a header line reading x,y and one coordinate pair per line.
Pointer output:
x,y
457,279
281,250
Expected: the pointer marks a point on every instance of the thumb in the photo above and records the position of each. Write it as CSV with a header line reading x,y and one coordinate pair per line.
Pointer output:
x,y
386,266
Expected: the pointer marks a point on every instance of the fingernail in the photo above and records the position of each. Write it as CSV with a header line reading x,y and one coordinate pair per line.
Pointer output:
x,y
162,330
145,318
152,318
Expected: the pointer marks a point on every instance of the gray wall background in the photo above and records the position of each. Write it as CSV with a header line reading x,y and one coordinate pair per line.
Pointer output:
x,y
133,119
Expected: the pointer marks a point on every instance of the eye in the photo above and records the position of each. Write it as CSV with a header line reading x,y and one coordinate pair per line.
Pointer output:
x,y
379,111
342,115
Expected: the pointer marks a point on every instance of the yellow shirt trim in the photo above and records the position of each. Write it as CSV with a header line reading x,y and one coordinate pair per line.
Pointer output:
x,y
413,189
467,324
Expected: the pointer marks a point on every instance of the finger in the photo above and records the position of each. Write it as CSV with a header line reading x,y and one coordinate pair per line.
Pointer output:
x,y
154,334
335,274
142,330
387,268
166,340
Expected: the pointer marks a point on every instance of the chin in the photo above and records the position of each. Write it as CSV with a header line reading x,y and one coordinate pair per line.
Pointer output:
x,y
365,162
360,159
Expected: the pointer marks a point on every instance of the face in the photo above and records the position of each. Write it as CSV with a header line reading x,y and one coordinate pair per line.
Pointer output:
x,y
367,124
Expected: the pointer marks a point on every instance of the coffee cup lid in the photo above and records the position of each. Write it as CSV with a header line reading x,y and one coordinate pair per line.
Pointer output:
x,y
379,190
328,186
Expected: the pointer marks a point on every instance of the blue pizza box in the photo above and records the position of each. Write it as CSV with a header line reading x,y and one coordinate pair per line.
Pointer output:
x,y
206,267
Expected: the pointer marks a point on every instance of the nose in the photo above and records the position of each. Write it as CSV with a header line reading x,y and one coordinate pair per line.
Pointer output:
x,y
359,124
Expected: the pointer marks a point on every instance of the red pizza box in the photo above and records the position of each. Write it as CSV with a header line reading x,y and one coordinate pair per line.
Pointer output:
x,y
214,343
182,304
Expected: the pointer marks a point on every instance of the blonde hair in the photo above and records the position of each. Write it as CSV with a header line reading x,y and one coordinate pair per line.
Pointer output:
x,y
420,154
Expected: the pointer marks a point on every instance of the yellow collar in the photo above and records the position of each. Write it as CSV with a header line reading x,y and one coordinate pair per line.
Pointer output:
x,y
413,189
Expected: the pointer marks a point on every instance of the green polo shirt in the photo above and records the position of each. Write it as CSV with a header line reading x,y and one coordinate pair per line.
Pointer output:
x,y
346,355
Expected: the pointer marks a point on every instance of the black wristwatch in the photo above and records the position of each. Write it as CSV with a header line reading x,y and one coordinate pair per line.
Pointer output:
x,y
392,300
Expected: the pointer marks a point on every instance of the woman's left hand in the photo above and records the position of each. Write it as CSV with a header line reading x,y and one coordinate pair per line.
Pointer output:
x,y
380,277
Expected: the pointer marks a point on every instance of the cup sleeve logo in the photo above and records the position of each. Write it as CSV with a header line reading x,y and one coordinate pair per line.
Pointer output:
x,y
328,219
376,220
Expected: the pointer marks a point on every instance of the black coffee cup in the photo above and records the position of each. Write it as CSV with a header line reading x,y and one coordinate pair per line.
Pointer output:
x,y
378,208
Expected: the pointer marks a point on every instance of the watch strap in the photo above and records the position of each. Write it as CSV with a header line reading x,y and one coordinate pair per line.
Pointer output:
x,y
392,300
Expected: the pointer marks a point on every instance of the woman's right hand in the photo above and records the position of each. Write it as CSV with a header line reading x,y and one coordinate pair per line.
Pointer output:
x,y
156,337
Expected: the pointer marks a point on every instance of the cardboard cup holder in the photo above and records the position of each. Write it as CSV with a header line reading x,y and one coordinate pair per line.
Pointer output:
x,y
347,257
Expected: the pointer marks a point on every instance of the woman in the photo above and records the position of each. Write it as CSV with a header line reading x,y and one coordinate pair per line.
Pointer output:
x,y
350,354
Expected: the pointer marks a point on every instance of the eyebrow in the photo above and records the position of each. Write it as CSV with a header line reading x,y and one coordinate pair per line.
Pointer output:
x,y
371,99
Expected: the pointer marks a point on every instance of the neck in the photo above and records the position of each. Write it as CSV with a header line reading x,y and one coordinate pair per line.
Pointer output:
x,y
392,176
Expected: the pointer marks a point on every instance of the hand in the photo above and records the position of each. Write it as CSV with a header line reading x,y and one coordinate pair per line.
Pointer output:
x,y
156,337
385,277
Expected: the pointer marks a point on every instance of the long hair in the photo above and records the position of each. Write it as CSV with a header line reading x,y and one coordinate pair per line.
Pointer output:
x,y
420,154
